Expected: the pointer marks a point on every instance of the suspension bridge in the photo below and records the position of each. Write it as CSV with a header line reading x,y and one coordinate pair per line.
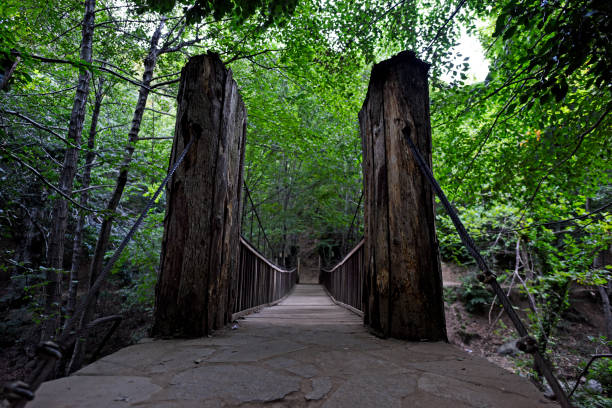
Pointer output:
x,y
232,328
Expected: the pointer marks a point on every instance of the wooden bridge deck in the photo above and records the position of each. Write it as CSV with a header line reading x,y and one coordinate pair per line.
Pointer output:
x,y
305,351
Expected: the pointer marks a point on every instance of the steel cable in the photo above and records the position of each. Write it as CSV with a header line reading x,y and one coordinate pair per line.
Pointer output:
x,y
49,352
488,277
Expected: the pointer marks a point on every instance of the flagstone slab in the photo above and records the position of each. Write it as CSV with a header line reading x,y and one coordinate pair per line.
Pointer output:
x,y
304,352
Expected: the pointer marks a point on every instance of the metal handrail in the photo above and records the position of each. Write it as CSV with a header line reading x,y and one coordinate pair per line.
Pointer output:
x,y
18,393
586,370
259,223
526,343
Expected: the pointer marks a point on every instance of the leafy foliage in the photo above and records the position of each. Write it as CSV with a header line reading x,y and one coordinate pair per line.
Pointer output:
x,y
238,10
474,295
570,36
524,155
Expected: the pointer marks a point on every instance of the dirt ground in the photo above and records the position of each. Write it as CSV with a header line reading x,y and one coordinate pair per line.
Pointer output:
x,y
482,334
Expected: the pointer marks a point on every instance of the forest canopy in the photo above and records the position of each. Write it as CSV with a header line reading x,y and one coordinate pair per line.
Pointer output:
x,y
88,104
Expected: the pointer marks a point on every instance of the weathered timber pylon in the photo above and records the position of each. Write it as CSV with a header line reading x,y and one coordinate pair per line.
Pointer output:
x,y
403,282
195,290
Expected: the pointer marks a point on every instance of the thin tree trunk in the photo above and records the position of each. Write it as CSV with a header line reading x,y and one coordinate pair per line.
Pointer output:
x,y
602,260
59,215
25,255
605,300
77,248
105,229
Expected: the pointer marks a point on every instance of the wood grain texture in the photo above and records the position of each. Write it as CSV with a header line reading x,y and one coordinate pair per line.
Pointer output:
x,y
200,249
403,283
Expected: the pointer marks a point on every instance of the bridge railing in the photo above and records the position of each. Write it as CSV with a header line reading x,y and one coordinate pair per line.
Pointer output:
x,y
260,282
344,282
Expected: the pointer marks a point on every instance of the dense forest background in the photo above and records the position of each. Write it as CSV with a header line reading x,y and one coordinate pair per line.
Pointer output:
x,y
87,116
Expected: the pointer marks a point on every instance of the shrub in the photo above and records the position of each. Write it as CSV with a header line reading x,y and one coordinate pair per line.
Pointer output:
x,y
473,294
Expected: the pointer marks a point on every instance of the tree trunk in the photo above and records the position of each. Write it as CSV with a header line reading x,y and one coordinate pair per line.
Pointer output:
x,y
196,289
77,245
403,285
25,254
602,260
605,303
97,262
59,215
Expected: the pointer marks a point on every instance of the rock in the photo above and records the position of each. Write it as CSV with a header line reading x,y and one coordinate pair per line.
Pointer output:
x,y
467,337
594,386
238,382
320,387
95,391
573,315
549,393
294,366
508,349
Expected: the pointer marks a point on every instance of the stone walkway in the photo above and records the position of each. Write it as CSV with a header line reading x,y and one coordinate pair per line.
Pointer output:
x,y
304,352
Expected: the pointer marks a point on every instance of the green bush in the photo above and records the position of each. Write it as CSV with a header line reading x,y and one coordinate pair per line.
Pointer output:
x,y
473,294
584,399
601,371
450,295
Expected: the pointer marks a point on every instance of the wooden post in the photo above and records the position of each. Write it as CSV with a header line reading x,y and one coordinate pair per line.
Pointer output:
x,y
403,282
200,250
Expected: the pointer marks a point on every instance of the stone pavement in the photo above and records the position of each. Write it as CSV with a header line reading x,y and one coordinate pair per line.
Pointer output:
x,y
304,352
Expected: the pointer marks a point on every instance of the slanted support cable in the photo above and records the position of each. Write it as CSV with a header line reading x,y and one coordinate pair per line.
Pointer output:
x,y
50,352
488,276
254,209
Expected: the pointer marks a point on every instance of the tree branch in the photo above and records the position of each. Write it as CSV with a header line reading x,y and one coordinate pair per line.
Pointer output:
x,y
172,81
558,165
166,76
581,217
46,93
80,190
240,56
45,181
155,138
39,126
160,112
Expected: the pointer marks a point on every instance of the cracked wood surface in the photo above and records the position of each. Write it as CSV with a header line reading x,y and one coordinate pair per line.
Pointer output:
x,y
403,281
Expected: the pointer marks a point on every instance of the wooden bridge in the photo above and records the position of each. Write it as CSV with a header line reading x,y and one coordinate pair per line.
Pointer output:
x,y
338,344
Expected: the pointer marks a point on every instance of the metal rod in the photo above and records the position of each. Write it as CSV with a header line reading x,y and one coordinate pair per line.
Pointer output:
x,y
490,278
257,215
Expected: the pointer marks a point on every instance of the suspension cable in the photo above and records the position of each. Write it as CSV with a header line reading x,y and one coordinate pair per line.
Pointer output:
x,y
254,209
461,3
49,352
350,231
526,343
